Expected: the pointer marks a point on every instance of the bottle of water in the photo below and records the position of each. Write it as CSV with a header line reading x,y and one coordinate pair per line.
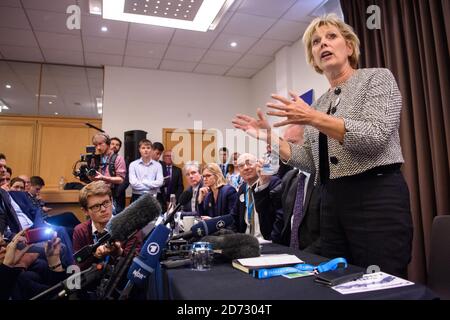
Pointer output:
x,y
61,183
271,164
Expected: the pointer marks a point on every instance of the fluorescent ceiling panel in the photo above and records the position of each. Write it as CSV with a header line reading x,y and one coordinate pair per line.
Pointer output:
x,y
197,15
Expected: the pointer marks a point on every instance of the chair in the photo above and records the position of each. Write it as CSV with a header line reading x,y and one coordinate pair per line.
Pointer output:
x,y
439,264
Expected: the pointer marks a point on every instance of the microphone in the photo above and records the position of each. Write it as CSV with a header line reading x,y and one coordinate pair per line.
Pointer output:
x,y
122,226
235,245
185,197
204,228
148,258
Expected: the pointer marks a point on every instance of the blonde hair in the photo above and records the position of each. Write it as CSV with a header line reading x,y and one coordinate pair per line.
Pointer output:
x,y
346,31
96,188
217,172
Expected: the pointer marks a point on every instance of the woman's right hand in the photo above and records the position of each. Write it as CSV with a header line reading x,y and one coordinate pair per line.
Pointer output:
x,y
12,255
258,128
202,194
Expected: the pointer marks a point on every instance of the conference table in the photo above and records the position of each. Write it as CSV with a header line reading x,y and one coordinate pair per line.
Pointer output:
x,y
223,282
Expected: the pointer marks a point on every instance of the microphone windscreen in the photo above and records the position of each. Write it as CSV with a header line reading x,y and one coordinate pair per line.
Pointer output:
x,y
210,226
134,217
149,257
235,245
185,197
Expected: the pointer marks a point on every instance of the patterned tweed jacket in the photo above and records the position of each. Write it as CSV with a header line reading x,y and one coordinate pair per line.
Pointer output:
x,y
370,104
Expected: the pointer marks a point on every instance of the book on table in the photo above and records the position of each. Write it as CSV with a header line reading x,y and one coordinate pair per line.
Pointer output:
x,y
247,265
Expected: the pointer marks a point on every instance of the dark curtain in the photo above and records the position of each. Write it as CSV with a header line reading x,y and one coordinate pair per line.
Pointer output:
x,y
413,42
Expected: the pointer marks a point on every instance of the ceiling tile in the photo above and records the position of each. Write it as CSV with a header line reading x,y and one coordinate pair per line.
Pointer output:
x,y
92,25
248,25
266,8
21,53
145,49
211,69
147,33
59,41
17,37
104,45
180,66
267,47
301,10
63,56
223,42
221,57
195,39
96,59
48,5
184,53
286,30
254,62
50,22
138,62
13,18
10,3
242,72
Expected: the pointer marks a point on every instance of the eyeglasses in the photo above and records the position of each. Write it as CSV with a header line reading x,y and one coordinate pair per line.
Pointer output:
x,y
248,163
96,207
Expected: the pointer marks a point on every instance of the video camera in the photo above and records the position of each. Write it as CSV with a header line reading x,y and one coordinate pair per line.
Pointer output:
x,y
87,166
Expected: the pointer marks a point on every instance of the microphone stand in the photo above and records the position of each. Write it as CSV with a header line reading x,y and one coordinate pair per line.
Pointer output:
x,y
64,288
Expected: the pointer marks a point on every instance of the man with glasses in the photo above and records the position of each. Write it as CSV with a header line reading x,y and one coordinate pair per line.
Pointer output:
x,y
96,202
254,216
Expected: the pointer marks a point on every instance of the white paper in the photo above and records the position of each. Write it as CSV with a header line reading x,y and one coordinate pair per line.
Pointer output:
x,y
372,282
270,260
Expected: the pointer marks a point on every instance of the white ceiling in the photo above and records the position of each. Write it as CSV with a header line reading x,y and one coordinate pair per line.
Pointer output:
x,y
35,30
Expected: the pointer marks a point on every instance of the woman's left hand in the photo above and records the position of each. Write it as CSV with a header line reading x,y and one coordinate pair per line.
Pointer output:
x,y
296,110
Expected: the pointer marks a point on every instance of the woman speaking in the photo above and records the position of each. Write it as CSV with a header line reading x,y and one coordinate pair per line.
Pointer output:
x,y
352,143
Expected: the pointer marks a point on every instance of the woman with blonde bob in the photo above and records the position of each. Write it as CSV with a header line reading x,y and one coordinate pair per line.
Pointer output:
x,y
352,143
216,197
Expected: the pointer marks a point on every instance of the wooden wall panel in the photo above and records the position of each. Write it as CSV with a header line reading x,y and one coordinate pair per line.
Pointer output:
x,y
16,142
44,146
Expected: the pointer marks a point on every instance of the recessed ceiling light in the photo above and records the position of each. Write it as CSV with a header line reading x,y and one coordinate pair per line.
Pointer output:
x,y
201,16
8,86
50,102
56,113
104,29
233,44
95,7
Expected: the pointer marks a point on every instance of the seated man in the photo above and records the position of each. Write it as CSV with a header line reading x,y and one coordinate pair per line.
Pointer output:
x,y
255,216
194,178
16,184
64,219
96,202
297,203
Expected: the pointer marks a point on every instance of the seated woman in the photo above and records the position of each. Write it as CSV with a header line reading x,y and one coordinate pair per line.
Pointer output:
x,y
216,197
233,176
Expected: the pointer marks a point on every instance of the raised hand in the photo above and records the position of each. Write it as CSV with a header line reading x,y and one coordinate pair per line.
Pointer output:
x,y
258,128
295,110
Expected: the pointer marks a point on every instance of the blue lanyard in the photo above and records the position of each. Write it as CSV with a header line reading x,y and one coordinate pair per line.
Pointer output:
x,y
249,207
301,267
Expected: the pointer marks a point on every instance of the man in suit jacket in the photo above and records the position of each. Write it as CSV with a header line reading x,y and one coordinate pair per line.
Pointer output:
x,y
173,178
285,196
194,178
254,215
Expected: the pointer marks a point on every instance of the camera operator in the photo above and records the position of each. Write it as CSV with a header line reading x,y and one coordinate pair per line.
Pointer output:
x,y
112,168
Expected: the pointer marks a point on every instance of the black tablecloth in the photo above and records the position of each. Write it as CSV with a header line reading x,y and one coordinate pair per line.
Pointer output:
x,y
223,282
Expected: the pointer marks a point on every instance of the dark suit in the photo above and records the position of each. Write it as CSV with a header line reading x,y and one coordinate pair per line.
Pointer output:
x,y
226,200
263,205
188,206
309,230
8,216
224,167
174,184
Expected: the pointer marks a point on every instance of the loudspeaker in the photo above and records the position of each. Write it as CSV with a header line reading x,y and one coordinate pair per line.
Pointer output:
x,y
131,143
